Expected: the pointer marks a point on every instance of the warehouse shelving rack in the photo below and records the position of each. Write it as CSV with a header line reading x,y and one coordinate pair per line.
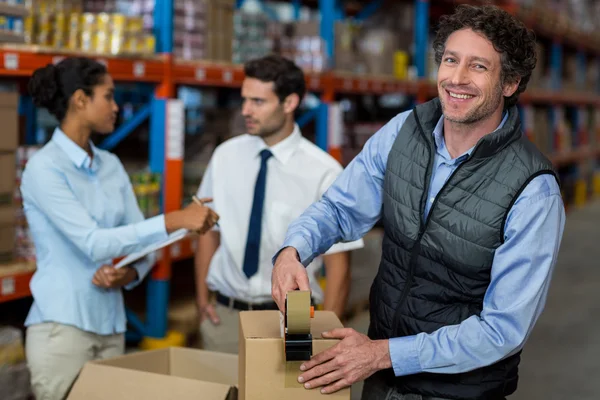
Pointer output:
x,y
167,73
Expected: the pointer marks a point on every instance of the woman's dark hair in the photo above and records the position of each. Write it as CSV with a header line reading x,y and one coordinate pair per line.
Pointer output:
x,y
508,35
52,86
287,77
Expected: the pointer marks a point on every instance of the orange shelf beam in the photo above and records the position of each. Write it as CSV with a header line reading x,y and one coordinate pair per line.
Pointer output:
x,y
346,83
583,153
23,61
208,74
14,283
553,97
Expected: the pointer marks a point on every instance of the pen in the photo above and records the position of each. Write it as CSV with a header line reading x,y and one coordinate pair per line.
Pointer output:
x,y
201,203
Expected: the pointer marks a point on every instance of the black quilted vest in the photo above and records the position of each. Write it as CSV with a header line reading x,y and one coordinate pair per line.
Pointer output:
x,y
436,273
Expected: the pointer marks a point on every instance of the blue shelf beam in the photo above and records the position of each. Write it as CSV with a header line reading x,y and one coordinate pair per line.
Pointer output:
x,y
157,304
308,116
297,5
163,25
421,36
29,111
328,16
125,129
321,132
556,60
135,322
368,10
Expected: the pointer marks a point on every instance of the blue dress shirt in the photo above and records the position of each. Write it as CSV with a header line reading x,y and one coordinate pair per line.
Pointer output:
x,y
82,214
520,273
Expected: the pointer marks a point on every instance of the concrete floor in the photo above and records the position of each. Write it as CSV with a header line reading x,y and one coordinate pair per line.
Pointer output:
x,y
561,360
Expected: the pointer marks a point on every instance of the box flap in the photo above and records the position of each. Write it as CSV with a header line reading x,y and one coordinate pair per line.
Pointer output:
x,y
205,366
266,324
9,99
100,382
154,361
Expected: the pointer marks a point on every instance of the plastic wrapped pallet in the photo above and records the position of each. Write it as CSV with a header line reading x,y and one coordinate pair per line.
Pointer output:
x,y
14,375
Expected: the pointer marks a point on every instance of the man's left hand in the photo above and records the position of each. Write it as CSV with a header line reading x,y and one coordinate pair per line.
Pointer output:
x,y
353,359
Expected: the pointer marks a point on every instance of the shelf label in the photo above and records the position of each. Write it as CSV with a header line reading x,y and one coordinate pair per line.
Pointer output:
x,y
227,76
363,85
139,69
175,250
347,84
11,61
200,74
57,59
8,286
175,122
377,86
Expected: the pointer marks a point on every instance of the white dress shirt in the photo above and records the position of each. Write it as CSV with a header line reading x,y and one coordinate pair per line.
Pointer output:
x,y
297,175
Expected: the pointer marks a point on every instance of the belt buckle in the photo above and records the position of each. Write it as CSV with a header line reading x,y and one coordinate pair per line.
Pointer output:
x,y
231,300
250,307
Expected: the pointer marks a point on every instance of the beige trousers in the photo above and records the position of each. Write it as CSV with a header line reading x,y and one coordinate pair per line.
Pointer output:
x,y
56,353
223,337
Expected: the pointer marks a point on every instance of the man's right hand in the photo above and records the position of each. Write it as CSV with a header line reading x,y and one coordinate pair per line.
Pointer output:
x,y
208,311
288,274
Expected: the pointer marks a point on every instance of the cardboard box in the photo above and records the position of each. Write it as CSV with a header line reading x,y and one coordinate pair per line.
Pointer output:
x,y
9,115
7,209
262,365
7,232
8,177
173,373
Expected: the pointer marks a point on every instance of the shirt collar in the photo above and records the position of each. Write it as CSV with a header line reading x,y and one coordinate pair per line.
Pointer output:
x,y
283,150
440,142
78,156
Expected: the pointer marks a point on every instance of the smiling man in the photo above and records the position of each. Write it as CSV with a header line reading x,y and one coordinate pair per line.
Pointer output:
x,y
260,182
473,221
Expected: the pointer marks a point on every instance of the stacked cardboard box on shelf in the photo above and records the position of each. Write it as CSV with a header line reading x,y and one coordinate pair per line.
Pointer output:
x,y
203,29
90,26
381,45
220,28
13,25
9,139
24,248
252,36
190,29
146,186
302,43
542,133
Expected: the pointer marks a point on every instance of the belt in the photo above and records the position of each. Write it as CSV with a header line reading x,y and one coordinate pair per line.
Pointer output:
x,y
244,306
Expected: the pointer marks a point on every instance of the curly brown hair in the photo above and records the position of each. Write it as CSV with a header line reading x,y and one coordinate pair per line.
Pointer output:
x,y
508,35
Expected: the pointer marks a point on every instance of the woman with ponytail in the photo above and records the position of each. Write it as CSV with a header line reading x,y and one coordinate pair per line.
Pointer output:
x,y
82,212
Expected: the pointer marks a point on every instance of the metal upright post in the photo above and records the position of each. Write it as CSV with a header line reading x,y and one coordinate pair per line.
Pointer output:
x,y
158,284
421,44
327,8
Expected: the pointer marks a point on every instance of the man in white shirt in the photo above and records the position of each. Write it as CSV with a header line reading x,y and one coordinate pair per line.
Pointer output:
x,y
260,182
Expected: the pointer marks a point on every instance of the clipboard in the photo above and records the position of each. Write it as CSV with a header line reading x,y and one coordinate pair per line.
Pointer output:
x,y
172,238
